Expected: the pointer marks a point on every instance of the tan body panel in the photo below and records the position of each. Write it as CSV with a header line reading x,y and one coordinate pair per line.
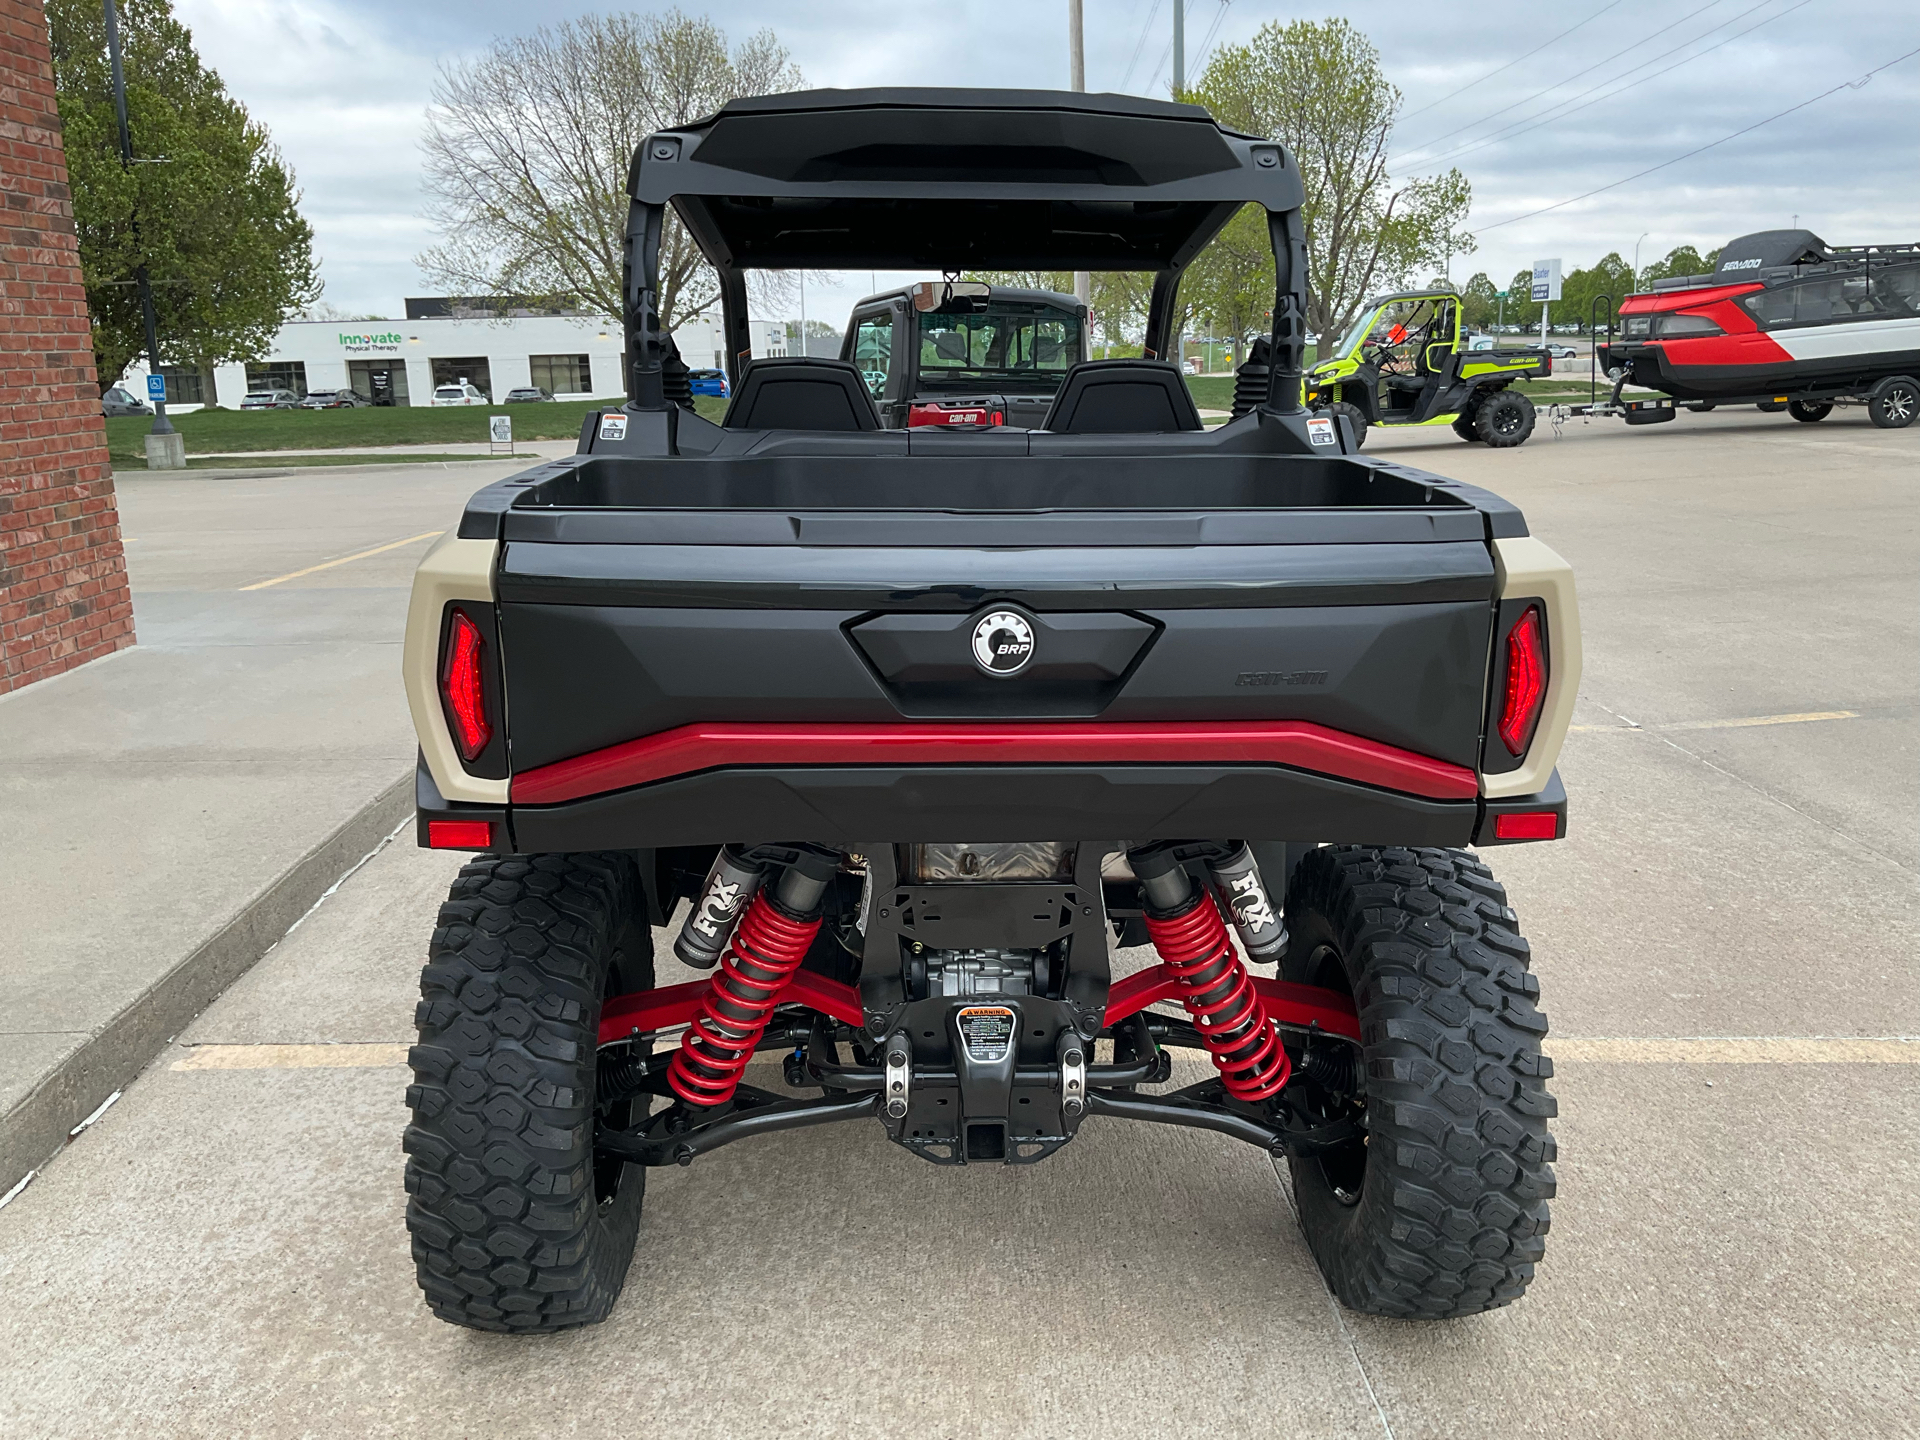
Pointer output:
x,y
1526,568
454,569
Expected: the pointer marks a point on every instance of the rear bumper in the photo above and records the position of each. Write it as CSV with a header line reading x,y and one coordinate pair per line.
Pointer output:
x,y
853,805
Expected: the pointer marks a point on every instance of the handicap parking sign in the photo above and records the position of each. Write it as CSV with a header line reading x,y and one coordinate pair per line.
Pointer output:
x,y
156,387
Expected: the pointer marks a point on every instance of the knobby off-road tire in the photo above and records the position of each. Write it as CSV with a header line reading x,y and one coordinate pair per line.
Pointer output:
x,y
1443,1212
1356,417
514,1227
1463,426
1504,419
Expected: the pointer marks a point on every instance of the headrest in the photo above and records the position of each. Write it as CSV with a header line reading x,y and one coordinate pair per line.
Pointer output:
x,y
1122,397
795,393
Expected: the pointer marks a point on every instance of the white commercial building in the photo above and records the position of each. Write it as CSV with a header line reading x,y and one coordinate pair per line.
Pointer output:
x,y
399,362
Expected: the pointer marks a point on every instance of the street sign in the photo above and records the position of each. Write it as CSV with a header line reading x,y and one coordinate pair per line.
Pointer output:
x,y
156,387
1546,281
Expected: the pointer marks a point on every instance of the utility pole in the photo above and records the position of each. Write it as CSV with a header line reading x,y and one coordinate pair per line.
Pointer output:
x,y
169,454
1077,78
1179,47
1636,258
803,314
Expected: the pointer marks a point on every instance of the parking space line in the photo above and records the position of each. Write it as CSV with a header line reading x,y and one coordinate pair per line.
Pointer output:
x,y
290,1057
1741,1050
1681,1050
345,560
1739,724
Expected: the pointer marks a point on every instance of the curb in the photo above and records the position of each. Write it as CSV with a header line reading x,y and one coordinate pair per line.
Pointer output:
x,y
240,472
38,1126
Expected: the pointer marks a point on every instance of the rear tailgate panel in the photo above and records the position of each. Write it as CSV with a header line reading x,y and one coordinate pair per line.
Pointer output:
x,y
608,642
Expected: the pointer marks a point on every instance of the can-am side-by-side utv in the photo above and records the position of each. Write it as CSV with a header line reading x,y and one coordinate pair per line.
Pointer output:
x,y
914,734
1404,361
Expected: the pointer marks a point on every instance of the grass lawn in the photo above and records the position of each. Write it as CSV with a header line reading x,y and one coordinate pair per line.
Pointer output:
x,y
210,431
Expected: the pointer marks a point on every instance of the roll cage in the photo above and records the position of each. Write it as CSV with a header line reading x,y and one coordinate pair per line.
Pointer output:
x,y
953,179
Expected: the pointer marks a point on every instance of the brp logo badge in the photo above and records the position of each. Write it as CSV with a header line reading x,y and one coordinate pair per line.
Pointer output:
x,y
1003,642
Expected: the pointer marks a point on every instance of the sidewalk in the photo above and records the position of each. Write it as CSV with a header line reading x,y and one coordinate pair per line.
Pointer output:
x,y
173,809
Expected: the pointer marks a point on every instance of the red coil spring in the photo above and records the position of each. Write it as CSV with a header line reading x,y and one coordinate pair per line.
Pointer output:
x,y
1219,995
765,951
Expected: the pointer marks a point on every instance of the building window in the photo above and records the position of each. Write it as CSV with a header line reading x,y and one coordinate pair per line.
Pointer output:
x,y
471,368
276,375
184,385
562,374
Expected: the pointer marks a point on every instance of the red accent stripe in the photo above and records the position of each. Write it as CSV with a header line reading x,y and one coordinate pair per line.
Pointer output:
x,y
1286,1002
1295,743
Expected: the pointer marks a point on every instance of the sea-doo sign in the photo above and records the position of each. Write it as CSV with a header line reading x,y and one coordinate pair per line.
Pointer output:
x,y
1003,642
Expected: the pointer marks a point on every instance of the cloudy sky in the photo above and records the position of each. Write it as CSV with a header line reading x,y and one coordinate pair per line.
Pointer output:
x,y
1608,90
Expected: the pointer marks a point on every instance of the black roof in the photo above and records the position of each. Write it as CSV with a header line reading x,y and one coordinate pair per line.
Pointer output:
x,y
1765,249
959,179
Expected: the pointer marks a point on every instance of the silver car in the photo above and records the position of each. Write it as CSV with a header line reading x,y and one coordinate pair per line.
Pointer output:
x,y
269,400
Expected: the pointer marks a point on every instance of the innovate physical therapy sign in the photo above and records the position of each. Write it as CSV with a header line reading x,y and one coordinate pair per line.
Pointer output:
x,y
386,343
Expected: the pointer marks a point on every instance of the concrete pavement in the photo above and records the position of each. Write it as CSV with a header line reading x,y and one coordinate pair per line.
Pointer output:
x,y
153,798
1733,1249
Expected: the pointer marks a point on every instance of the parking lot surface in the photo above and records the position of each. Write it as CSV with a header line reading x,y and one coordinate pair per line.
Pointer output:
x,y
1726,948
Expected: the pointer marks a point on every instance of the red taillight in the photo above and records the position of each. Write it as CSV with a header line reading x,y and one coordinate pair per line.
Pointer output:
x,y
459,834
1526,682
1526,825
460,680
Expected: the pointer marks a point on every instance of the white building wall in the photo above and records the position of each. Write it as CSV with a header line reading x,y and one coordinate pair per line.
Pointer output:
x,y
325,347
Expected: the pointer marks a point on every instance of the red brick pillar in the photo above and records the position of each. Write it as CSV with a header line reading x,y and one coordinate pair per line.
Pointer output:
x,y
63,577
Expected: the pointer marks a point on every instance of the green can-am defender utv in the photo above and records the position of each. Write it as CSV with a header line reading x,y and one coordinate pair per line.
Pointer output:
x,y
1404,362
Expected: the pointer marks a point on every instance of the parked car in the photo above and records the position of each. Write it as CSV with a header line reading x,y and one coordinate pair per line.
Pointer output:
x,y
1559,352
118,401
527,393
270,400
461,392
334,400
709,382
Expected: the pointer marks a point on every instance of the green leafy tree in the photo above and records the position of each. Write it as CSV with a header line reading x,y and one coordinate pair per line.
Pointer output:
x,y
1681,260
212,211
1610,275
528,145
1318,88
1479,302
1230,282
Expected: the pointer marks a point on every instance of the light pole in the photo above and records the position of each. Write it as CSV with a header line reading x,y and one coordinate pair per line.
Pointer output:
x,y
170,454
1636,258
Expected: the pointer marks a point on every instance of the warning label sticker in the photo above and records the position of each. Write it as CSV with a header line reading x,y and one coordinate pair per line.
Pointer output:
x,y
987,1032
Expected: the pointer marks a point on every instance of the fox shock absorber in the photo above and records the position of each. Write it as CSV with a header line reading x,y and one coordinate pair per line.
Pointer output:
x,y
730,886
761,955
1187,930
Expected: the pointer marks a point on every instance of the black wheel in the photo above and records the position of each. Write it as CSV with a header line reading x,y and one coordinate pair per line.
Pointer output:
x,y
1771,407
1356,417
1808,411
1504,419
1463,425
1440,1209
515,1224
1893,404
1701,407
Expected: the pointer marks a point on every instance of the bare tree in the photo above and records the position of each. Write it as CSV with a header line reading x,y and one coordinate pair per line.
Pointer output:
x,y
527,149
